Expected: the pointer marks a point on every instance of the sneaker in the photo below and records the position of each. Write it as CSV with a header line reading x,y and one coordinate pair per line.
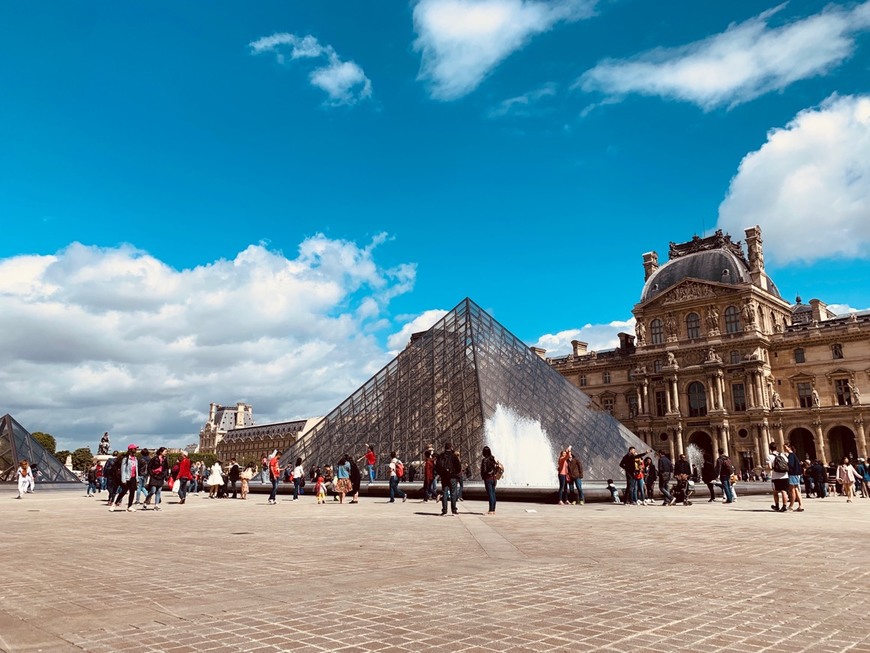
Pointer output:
x,y
581,502
638,502
156,507
130,509
145,507
672,501
405,498
111,508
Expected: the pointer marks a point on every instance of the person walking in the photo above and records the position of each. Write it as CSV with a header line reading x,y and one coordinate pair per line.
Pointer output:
x,y
157,473
488,467
396,466
184,476
650,475
575,476
233,476
92,479
778,464
562,475
682,472
795,473
631,463
298,478
371,459
355,479
343,485
215,479
24,476
142,475
129,478
112,474
666,470
429,491
448,468
275,477
820,478
246,476
724,469
708,475
847,475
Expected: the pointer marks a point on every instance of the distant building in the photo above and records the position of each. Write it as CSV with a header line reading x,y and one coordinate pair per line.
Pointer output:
x,y
721,360
230,432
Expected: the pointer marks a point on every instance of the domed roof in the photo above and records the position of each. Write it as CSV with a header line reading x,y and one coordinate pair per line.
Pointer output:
x,y
718,265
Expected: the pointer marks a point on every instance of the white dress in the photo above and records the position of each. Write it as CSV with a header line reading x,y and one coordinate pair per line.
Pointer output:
x,y
25,482
215,476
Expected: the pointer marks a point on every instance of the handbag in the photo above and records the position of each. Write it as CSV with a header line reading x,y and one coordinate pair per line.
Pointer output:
x,y
176,485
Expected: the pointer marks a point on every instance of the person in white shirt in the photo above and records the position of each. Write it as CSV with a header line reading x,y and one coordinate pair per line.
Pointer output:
x,y
779,478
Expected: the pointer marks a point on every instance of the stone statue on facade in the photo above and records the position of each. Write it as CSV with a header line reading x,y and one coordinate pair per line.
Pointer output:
x,y
855,394
712,356
103,449
672,360
775,399
816,401
712,320
640,331
671,326
749,312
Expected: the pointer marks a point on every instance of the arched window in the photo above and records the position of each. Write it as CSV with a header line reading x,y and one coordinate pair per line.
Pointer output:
x,y
732,320
657,332
735,357
697,399
605,376
657,366
693,326
836,350
799,356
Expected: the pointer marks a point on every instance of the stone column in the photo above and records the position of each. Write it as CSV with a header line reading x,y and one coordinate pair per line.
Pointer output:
x,y
759,449
676,391
638,390
720,386
672,447
668,404
780,436
862,438
821,451
750,392
678,436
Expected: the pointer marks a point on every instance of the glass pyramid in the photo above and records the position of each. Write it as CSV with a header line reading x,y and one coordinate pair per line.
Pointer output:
x,y
470,381
16,444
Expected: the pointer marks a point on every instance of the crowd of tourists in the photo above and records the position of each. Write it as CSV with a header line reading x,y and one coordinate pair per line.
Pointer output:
x,y
677,480
142,476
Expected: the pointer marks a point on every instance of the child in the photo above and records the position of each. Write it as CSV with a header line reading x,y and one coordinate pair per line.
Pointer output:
x,y
320,490
25,478
614,492
247,475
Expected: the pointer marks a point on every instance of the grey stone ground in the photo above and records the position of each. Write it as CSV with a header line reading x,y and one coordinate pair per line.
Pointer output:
x,y
225,575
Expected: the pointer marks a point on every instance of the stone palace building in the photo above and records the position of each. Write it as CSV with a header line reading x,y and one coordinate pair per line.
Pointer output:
x,y
721,360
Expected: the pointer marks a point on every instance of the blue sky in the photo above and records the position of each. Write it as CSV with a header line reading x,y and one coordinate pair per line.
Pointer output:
x,y
260,202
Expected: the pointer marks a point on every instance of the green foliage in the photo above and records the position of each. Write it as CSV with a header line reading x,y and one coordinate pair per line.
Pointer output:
x,y
207,458
46,440
82,458
61,455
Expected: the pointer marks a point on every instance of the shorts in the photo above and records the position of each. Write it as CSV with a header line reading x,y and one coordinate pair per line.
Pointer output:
x,y
780,485
794,480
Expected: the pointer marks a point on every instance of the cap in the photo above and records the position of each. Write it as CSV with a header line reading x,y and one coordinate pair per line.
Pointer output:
x,y
131,447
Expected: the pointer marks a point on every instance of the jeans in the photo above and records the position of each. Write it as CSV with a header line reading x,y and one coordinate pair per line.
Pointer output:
x,y
577,484
664,482
449,486
274,492
630,490
92,487
821,489
192,485
297,483
639,490
490,493
140,488
726,489
231,484
155,491
394,489
103,482
563,488
371,472
182,488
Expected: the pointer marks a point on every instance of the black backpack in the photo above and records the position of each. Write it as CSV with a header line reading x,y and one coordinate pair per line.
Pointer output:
x,y
780,463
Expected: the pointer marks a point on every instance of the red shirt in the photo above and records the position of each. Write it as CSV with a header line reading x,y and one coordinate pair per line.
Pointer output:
x,y
184,468
273,467
370,457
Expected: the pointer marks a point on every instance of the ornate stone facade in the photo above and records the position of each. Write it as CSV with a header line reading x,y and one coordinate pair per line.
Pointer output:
x,y
722,361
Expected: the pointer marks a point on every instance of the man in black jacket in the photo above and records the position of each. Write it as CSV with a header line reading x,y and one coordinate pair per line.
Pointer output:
x,y
234,475
448,468
666,470
629,464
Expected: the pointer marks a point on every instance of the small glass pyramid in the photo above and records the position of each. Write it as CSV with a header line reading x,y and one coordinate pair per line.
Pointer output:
x,y
16,444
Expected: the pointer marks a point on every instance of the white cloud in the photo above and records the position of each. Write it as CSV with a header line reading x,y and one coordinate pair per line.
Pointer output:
x,y
525,104
114,339
808,186
742,63
845,309
598,336
423,322
462,41
344,82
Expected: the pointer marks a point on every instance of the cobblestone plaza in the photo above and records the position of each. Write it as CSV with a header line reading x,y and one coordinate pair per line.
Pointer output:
x,y
225,575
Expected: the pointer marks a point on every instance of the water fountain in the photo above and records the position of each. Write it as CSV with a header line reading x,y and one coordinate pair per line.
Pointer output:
x,y
522,446
695,456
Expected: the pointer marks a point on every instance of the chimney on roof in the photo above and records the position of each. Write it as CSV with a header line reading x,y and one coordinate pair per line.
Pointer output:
x,y
541,353
240,415
212,412
756,257
626,343
650,264
579,347
820,310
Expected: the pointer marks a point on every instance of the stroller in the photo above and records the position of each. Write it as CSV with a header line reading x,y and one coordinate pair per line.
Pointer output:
x,y
684,488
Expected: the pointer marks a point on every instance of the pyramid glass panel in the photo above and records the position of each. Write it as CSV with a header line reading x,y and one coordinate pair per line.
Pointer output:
x,y
470,381
17,444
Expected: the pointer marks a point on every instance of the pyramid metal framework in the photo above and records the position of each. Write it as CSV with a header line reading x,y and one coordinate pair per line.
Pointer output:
x,y
446,384
17,444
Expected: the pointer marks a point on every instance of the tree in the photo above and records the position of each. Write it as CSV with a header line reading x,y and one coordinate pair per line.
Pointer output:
x,y
46,440
82,458
61,455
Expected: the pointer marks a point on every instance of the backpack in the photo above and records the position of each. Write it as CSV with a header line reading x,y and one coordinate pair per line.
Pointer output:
x,y
727,467
780,463
400,469
498,472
